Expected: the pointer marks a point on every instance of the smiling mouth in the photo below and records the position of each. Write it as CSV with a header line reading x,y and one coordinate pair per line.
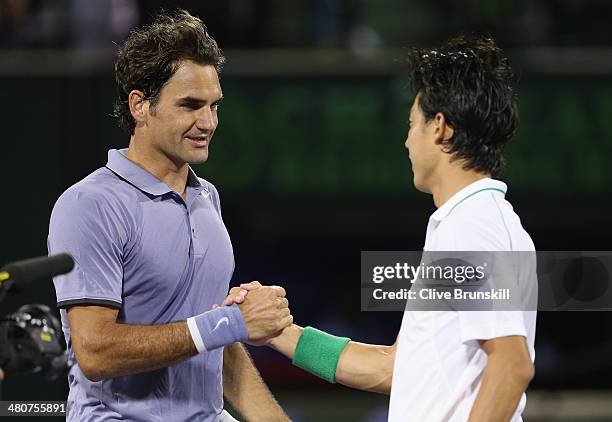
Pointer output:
x,y
198,142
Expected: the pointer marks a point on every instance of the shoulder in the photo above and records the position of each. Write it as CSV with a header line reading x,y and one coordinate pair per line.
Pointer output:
x,y
469,234
477,224
100,193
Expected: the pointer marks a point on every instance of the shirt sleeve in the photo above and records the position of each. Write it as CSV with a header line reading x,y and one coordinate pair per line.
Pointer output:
x,y
86,226
481,325
487,325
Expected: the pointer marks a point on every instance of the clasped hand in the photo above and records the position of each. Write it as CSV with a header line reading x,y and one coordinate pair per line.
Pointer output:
x,y
264,308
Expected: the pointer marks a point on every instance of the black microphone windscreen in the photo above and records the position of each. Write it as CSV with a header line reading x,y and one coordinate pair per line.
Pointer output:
x,y
42,267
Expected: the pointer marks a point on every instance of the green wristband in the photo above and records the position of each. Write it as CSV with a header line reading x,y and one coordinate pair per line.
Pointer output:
x,y
318,353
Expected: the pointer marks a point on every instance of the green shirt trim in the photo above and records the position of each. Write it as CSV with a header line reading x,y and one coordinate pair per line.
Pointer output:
x,y
472,194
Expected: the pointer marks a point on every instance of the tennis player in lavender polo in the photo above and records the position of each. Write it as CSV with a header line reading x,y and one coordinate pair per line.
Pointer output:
x,y
153,255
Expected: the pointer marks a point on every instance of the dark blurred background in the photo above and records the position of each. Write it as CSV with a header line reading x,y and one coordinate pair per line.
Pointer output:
x,y
310,162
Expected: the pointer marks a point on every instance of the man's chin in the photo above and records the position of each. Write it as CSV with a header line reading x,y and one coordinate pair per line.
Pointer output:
x,y
198,158
420,185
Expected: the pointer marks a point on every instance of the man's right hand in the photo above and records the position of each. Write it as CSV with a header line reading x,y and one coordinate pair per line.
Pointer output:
x,y
266,313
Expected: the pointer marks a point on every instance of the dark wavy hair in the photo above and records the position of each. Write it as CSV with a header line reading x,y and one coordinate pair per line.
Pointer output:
x,y
152,54
469,80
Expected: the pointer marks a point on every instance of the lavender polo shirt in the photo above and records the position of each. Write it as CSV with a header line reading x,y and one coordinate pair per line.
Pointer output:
x,y
140,248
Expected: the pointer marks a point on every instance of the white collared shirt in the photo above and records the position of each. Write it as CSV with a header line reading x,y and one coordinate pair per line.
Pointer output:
x,y
439,362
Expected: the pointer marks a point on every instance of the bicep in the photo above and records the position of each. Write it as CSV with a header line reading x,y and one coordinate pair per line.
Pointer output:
x,y
509,358
87,323
515,346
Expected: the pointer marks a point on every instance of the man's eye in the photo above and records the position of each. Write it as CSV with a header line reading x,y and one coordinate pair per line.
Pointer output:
x,y
216,106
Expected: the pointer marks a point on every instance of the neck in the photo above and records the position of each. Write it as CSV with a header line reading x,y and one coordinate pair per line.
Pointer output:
x,y
453,182
158,164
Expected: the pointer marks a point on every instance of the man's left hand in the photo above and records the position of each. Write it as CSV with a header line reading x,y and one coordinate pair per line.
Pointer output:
x,y
239,294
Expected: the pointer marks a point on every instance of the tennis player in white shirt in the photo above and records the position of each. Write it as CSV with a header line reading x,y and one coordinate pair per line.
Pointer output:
x,y
447,365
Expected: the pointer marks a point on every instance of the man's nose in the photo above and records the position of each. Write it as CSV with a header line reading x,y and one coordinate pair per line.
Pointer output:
x,y
207,119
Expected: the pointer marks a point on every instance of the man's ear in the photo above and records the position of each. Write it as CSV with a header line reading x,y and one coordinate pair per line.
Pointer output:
x,y
139,106
443,131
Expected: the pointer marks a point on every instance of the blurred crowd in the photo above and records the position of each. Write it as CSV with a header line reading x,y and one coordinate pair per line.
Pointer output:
x,y
55,24
361,25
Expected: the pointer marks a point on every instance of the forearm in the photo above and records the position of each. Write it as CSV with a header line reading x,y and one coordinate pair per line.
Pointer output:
x,y
245,390
503,384
287,341
105,348
120,349
367,367
362,366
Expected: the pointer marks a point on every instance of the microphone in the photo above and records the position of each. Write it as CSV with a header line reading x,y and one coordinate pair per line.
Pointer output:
x,y
28,270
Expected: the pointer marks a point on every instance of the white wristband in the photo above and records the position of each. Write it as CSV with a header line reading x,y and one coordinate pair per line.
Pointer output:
x,y
195,335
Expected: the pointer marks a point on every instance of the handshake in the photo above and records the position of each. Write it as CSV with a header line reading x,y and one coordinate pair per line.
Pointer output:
x,y
265,310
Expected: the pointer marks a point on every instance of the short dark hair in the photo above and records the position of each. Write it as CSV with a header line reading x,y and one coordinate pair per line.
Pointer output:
x,y
153,53
470,81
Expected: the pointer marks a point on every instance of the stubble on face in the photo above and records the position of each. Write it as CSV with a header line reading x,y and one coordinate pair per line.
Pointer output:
x,y
183,121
